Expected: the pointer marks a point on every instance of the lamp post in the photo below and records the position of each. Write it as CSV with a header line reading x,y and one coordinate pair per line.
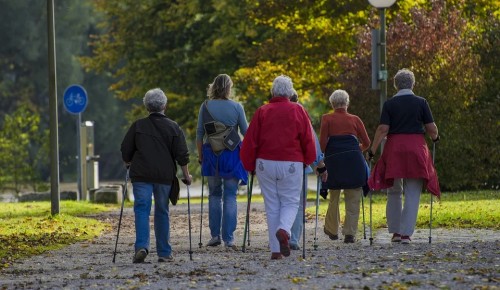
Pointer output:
x,y
381,71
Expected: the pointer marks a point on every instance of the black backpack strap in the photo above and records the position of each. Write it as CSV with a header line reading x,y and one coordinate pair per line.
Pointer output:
x,y
207,117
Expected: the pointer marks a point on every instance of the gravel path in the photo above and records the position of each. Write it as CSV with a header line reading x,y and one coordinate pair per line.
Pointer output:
x,y
457,259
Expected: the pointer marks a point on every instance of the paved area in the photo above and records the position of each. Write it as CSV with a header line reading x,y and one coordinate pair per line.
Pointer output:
x,y
456,259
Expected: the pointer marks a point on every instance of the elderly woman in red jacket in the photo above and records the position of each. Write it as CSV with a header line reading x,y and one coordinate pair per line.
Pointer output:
x,y
405,164
278,144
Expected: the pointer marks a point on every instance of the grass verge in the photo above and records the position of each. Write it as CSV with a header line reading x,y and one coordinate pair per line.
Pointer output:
x,y
465,209
28,229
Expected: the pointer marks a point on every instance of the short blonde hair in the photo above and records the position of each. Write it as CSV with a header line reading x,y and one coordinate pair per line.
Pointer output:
x,y
339,98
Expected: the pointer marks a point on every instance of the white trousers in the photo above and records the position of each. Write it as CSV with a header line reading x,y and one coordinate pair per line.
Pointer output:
x,y
402,219
281,184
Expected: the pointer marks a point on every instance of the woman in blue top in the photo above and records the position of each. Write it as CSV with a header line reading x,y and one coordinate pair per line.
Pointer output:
x,y
223,168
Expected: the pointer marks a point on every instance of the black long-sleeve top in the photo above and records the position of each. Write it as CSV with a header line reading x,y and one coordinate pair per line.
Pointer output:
x,y
150,144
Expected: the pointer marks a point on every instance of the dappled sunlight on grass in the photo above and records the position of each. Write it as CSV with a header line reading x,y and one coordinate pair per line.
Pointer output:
x,y
474,209
28,228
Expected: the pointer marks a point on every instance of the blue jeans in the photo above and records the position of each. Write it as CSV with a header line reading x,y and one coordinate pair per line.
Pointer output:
x,y
142,208
222,207
298,224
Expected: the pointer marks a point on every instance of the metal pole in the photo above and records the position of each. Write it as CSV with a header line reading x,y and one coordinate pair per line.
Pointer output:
x,y
54,136
383,67
79,157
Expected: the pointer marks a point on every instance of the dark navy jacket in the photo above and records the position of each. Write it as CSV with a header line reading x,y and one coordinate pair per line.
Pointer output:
x,y
345,163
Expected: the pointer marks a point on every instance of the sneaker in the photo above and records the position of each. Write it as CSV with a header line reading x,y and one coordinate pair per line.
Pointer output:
x,y
276,256
396,238
214,241
168,258
294,247
330,235
139,256
405,239
231,246
349,239
283,238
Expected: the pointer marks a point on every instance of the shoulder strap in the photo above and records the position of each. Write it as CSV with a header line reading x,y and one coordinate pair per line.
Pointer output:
x,y
207,117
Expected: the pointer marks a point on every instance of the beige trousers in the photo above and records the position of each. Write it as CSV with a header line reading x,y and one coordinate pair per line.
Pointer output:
x,y
332,220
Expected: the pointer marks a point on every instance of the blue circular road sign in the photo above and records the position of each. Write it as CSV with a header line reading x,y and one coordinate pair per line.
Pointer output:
x,y
75,99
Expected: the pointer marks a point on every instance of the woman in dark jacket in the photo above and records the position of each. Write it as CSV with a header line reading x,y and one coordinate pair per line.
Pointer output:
x,y
151,148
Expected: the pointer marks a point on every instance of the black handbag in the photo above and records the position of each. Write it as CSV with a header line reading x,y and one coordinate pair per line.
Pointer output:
x,y
174,190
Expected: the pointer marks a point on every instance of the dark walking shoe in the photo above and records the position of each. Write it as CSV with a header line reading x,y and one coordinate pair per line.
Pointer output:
x,y
349,239
276,256
166,259
294,247
330,235
396,238
140,256
215,241
283,238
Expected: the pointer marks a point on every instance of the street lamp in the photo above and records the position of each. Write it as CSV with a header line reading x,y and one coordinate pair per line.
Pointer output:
x,y
379,70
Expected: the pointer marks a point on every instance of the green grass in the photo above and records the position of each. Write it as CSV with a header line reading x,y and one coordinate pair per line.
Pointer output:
x,y
28,229
467,209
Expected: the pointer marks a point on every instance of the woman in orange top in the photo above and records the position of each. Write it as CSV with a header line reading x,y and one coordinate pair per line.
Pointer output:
x,y
343,138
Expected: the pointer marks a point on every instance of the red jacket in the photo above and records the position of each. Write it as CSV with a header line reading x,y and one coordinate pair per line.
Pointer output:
x,y
405,156
279,131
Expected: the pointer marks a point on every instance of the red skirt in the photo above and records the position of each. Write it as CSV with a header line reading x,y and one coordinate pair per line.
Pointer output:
x,y
405,156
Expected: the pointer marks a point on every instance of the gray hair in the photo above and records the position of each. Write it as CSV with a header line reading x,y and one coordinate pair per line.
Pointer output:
x,y
339,98
404,79
155,100
282,86
221,87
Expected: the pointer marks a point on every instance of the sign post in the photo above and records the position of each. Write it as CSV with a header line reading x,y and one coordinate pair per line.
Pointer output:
x,y
75,102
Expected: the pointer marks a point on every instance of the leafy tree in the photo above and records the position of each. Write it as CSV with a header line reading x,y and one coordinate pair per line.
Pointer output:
x,y
23,149
436,43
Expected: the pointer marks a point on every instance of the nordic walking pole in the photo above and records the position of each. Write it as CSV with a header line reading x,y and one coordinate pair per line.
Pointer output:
x,y
121,211
189,220
363,206
371,225
315,246
249,202
304,201
433,163
247,219
201,216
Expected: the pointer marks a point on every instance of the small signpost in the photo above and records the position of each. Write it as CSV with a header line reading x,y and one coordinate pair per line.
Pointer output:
x,y
75,99
75,102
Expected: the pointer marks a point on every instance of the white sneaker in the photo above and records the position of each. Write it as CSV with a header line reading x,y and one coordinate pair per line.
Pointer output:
x,y
214,241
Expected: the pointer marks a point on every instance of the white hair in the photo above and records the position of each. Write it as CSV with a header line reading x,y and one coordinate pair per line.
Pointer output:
x,y
282,86
155,100
339,98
